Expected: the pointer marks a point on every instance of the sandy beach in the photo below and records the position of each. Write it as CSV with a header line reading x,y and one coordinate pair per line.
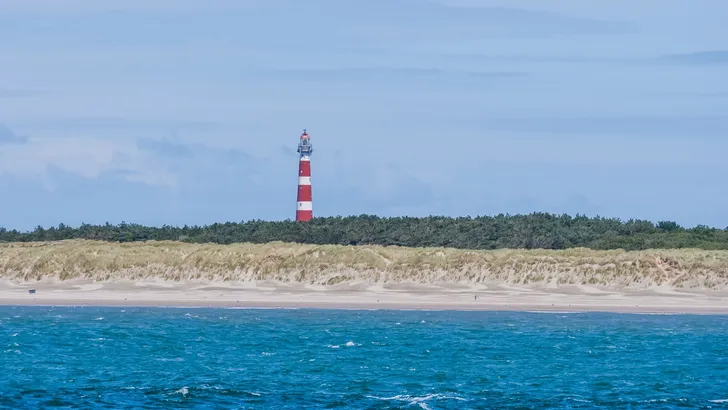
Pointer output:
x,y
576,298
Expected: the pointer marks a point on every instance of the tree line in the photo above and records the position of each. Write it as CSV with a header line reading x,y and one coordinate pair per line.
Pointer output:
x,y
536,230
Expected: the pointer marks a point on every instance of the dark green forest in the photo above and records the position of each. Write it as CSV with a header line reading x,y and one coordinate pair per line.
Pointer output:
x,y
537,230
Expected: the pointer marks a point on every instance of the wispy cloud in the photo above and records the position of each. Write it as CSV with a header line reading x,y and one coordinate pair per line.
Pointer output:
x,y
7,136
85,157
643,126
194,162
712,57
119,124
394,72
276,24
18,92
85,6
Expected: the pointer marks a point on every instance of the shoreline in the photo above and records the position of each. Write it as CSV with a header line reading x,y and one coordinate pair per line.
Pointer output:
x,y
492,297
641,310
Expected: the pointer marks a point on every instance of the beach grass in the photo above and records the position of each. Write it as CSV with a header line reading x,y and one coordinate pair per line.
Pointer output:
x,y
330,265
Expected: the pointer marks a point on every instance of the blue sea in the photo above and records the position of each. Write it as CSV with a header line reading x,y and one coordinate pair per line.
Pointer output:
x,y
91,357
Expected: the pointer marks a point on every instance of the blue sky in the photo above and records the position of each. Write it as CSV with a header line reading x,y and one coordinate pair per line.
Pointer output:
x,y
181,111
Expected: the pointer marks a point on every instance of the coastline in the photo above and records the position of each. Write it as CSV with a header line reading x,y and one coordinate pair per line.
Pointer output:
x,y
492,297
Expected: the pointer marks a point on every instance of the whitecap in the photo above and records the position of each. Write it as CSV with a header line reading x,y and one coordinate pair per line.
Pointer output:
x,y
208,387
333,346
719,401
419,400
183,391
99,318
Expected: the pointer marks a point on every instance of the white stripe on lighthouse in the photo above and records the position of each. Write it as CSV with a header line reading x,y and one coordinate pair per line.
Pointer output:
x,y
305,206
304,180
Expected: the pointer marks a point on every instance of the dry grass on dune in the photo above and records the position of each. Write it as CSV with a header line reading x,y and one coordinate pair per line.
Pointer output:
x,y
330,264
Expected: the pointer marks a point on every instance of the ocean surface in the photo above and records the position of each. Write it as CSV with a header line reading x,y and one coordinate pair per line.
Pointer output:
x,y
91,357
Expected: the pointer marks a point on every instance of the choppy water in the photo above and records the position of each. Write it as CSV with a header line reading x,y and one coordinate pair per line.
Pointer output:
x,y
292,359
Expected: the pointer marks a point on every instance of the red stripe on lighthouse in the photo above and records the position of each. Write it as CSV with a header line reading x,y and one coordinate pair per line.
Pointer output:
x,y
304,216
304,193
304,168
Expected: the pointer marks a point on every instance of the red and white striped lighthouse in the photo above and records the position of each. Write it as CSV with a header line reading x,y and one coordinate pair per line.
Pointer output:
x,y
304,207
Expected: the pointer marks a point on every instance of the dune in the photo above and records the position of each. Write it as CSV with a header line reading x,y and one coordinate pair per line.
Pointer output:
x,y
280,274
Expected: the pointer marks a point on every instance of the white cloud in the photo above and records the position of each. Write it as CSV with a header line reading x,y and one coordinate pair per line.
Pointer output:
x,y
86,157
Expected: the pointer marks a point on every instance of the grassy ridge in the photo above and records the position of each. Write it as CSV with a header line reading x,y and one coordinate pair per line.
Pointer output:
x,y
335,264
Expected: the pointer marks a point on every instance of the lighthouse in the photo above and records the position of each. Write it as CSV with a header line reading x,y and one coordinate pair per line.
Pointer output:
x,y
304,207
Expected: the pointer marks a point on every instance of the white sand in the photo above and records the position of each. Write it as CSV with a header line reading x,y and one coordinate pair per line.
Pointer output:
x,y
361,296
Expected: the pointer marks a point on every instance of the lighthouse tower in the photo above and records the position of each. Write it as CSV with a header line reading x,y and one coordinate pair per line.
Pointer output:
x,y
304,208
